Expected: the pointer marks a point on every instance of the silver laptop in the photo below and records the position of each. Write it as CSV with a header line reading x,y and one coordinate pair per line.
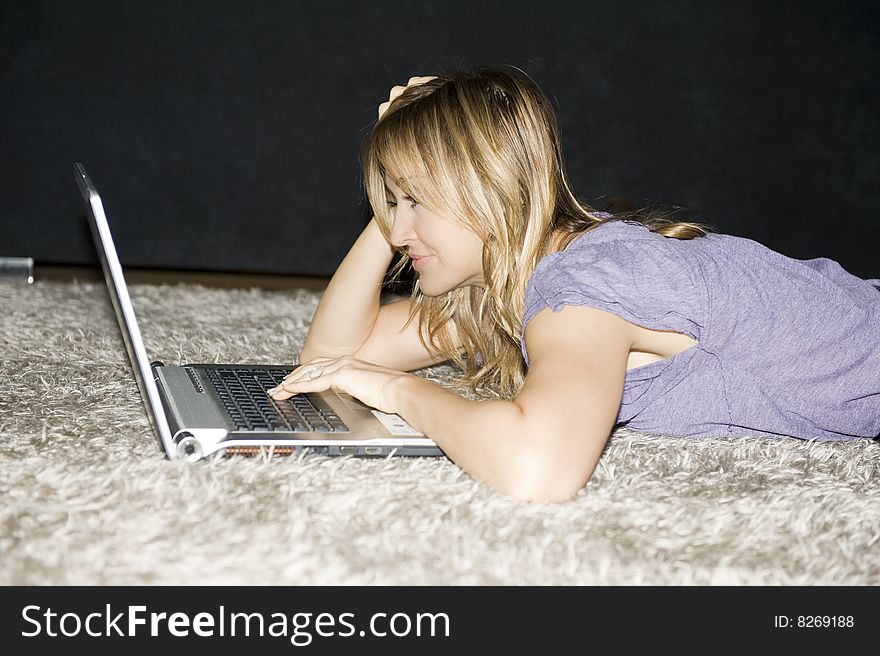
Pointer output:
x,y
207,410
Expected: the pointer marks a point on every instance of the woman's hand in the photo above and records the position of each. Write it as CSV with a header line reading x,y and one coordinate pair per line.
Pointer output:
x,y
396,91
368,382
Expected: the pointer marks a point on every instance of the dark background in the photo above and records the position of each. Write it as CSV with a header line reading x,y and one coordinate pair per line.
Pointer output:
x,y
223,135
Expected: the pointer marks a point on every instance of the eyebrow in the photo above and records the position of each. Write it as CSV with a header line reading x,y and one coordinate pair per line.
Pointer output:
x,y
388,189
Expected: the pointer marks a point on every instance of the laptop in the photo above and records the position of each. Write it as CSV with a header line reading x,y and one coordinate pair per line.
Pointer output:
x,y
210,410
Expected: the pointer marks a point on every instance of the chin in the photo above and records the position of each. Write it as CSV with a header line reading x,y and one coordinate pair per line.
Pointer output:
x,y
430,291
429,288
433,289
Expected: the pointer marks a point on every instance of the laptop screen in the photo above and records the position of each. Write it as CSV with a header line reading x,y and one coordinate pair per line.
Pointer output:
x,y
131,334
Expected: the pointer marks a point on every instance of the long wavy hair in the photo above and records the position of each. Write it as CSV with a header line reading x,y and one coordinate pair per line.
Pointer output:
x,y
482,147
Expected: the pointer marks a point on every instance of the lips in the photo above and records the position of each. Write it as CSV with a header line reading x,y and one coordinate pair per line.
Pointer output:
x,y
417,261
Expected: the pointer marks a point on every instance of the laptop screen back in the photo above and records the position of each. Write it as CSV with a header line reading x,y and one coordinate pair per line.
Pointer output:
x,y
124,310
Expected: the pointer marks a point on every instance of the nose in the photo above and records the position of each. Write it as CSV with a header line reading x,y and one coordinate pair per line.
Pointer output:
x,y
401,227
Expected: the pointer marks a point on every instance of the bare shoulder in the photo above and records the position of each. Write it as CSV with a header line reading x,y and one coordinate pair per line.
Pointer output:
x,y
574,349
578,329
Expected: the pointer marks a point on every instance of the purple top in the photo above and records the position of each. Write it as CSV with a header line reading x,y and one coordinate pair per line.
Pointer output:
x,y
786,347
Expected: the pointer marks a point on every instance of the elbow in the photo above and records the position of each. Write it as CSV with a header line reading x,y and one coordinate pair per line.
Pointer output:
x,y
552,467
544,476
535,484
544,493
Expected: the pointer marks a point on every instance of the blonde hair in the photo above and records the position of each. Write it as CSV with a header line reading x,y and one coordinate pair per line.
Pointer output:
x,y
482,148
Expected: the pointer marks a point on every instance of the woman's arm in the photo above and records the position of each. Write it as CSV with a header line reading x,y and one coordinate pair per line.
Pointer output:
x,y
543,445
347,312
350,305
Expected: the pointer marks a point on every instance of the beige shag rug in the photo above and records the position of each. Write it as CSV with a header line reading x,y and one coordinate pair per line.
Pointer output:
x,y
88,498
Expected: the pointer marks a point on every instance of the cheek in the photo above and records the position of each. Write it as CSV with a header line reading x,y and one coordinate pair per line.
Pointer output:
x,y
475,247
467,252
456,246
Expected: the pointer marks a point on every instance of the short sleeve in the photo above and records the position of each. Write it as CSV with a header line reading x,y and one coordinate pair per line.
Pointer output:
x,y
647,280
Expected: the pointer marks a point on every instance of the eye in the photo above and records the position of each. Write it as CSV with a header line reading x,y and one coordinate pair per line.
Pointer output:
x,y
412,205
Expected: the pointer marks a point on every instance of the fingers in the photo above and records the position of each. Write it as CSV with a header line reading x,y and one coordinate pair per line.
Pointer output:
x,y
280,394
286,389
300,386
293,382
305,365
397,90
413,81
292,374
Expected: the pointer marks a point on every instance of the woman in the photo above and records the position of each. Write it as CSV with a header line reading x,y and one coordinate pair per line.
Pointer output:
x,y
571,320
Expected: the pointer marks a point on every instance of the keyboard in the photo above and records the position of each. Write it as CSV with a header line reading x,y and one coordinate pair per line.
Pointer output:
x,y
243,393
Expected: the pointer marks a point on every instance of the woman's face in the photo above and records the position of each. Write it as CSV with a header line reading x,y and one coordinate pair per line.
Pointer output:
x,y
453,253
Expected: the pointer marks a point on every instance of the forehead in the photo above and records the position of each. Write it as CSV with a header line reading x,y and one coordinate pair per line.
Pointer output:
x,y
398,182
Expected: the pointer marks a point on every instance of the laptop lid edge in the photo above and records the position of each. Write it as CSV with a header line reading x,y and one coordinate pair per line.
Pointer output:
x,y
124,310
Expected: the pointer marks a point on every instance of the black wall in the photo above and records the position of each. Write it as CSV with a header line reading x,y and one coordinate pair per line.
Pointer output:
x,y
224,135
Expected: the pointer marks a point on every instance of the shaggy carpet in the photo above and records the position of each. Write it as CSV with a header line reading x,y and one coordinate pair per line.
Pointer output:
x,y
88,498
